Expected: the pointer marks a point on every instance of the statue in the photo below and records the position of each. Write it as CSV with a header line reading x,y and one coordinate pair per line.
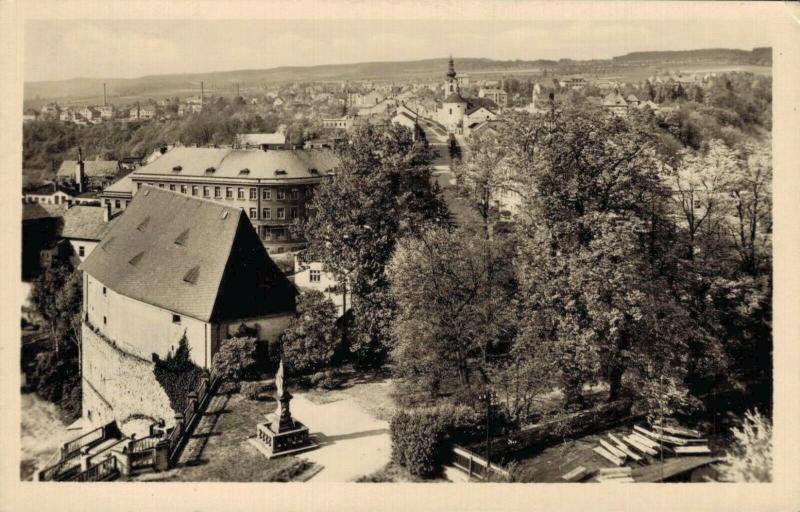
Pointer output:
x,y
281,434
279,380
283,418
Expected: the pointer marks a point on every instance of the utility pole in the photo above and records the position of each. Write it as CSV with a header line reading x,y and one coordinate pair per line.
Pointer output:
x,y
202,93
660,442
487,396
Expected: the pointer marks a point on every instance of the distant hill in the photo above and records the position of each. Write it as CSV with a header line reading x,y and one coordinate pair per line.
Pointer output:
x,y
757,56
184,84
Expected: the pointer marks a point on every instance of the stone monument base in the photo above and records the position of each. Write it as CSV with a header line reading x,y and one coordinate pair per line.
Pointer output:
x,y
286,442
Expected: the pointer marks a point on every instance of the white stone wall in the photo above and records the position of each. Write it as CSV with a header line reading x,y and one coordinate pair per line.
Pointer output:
x,y
117,385
88,247
143,329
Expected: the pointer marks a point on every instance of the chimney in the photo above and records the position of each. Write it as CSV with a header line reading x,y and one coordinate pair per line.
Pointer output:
x,y
80,175
107,212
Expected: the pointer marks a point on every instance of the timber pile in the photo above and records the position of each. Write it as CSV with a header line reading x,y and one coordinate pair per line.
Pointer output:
x,y
615,475
640,447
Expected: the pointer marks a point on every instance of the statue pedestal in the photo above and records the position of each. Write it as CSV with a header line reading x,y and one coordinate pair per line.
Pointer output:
x,y
284,442
281,434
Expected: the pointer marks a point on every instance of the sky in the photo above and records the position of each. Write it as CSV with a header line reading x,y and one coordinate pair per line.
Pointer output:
x,y
62,49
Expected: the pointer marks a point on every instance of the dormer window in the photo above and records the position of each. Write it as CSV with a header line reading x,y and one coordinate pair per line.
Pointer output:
x,y
192,275
181,240
177,168
280,172
211,170
244,172
143,224
136,259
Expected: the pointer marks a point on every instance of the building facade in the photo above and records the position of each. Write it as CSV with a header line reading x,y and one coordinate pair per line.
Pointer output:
x,y
272,187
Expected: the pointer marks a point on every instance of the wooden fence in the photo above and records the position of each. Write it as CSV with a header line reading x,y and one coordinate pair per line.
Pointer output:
x,y
71,449
187,420
104,470
475,465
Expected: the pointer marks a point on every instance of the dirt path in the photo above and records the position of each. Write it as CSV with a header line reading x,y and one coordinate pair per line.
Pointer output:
x,y
351,429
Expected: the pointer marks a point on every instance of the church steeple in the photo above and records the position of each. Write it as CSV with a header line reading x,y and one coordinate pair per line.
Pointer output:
x,y
450,83
451,69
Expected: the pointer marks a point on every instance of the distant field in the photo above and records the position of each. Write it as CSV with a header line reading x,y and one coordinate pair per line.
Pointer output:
x,y
642,73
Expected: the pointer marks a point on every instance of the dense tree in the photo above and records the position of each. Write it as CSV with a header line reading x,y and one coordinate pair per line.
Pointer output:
x,y
57,296
593,261
752,203
380,190
452,296
698,188
483,178
311,340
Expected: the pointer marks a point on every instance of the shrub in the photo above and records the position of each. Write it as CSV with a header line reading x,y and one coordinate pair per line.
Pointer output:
x,y
391,472
252,390
749,458
234,359
178,375
421,438
311,340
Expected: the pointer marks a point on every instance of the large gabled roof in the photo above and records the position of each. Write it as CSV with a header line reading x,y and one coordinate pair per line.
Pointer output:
x,y
190,256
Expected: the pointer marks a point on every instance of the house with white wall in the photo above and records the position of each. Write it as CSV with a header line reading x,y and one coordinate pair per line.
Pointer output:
x,y
84,227
171,267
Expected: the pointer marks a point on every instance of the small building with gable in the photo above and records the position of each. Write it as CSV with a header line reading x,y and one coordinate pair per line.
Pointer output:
x,y
170,268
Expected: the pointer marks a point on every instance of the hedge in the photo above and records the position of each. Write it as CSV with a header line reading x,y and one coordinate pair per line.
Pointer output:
x,y
421,438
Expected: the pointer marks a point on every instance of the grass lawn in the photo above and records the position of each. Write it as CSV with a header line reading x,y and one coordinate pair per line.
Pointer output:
x,y
219,450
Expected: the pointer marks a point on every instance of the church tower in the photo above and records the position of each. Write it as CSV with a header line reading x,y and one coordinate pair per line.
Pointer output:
x,y
450,84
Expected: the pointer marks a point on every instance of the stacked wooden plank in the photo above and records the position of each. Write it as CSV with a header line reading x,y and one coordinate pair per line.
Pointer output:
x,y
576,475
621,446
614,459
682,441
640,447
615,475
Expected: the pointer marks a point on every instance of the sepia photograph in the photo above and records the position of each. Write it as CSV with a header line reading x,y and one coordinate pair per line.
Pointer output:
x,y
475,250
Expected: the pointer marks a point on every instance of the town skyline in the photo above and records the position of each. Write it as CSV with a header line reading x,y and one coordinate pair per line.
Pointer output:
x,y
57,50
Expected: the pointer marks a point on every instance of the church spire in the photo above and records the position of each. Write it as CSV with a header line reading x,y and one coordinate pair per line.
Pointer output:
x,y
451,68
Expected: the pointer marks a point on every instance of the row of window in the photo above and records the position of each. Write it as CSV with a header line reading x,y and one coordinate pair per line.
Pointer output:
x,y
117,203
266,213
266,194
274,234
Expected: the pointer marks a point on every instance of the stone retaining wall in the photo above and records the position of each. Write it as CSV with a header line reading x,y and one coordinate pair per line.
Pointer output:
x,y
118,385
